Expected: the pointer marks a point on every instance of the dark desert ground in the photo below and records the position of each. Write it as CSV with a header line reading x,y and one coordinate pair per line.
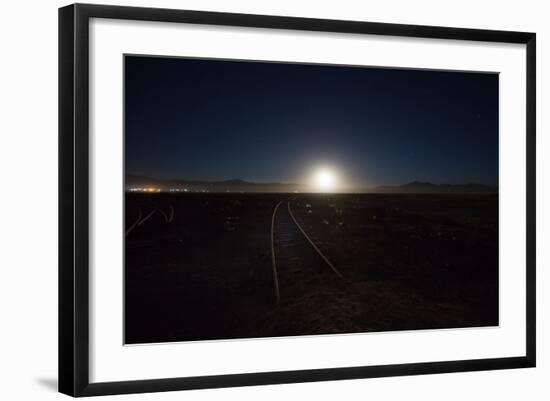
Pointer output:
x,y
200,267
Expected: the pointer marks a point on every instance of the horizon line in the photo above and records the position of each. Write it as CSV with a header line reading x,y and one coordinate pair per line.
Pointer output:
x,y
255,182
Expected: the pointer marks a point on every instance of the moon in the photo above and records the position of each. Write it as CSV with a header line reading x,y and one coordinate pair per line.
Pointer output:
x,y
325,180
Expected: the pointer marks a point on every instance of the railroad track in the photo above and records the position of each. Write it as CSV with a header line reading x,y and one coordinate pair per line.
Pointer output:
x,y
295,256
141,219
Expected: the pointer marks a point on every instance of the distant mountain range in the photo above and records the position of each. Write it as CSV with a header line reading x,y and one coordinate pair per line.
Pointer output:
x,y
428,187
237,185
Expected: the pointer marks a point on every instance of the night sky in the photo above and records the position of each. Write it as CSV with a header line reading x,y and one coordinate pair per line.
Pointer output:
x,y
273,122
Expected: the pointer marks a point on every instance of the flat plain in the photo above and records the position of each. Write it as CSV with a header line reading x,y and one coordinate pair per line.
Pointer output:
x,y
203,266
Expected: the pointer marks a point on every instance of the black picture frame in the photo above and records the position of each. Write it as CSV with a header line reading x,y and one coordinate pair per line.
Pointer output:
x,y
74,198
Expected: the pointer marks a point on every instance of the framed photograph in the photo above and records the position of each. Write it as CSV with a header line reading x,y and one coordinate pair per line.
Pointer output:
x,y
250,199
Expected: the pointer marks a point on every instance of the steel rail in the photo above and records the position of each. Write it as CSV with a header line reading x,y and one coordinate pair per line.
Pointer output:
x,y
329,263
129,230
147,217
273,258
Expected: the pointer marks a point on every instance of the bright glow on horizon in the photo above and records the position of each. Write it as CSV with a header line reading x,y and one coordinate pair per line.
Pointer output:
x,y
325,180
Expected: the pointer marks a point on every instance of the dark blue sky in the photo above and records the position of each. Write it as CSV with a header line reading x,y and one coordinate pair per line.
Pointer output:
x,y
273,122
